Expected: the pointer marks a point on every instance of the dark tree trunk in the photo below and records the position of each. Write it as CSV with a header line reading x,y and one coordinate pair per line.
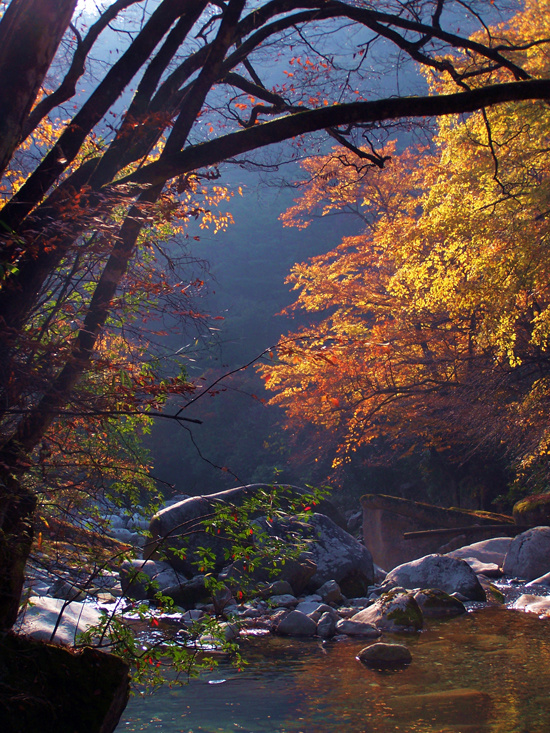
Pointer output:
x,y
30,33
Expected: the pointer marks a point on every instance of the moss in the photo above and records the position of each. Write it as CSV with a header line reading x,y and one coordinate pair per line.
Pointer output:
x,y
530,503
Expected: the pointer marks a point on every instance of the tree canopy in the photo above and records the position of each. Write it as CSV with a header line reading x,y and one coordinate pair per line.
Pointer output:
x,y
95,179
431,326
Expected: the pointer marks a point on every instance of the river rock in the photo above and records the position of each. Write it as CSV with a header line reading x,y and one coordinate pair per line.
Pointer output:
x,y
396,610
533,604
486,551
142,579
437,571
543,581
326,626
330,592
385,656
435,603
295,623
355,627
285,601
181,526
529,554
337,555
189,592
39,618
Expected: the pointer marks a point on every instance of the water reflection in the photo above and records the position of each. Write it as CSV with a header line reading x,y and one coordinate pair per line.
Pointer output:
x,y
485,672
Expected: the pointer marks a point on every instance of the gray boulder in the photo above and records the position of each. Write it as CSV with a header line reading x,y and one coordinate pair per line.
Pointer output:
x,y
330,592
326,626
529,554
338,556
295,623
394,611
142,579
486,551
180,527
437,571
352,627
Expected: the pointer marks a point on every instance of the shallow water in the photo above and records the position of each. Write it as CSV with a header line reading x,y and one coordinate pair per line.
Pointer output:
x,y
485,672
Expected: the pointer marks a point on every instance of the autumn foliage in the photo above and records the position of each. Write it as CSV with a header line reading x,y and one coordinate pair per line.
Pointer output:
x,y
431,327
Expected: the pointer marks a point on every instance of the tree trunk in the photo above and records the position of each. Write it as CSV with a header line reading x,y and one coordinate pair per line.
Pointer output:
x,y
17,507
30,33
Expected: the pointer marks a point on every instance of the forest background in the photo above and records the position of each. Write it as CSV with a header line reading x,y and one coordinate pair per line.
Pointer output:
x,y
96,294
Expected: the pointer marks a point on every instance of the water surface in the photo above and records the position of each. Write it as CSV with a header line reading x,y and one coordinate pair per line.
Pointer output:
x,y
485,672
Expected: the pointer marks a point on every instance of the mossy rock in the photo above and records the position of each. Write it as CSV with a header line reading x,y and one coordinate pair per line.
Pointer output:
x,y
436,603
395,611
533,510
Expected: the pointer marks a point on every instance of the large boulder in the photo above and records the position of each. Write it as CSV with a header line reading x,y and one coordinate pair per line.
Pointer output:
x,y
52,689
142,579
394,611
180,527
53,619
529,554
437,571
486,551
337,555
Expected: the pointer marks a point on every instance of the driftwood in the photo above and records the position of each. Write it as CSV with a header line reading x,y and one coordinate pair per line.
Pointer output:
x,y
506,530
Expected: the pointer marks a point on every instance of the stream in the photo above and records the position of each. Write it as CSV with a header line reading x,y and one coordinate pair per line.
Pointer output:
x,y
487,671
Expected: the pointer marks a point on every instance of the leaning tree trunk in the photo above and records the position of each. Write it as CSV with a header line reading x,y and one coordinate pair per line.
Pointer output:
x,y
30,33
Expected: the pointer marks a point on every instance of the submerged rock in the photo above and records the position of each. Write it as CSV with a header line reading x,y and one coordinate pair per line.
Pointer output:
x,y
385,656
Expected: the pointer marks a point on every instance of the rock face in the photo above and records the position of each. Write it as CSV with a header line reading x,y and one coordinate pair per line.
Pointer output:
x,y
337,555
386,518
52,689
394,611
529,554
181,526
385,656
437,571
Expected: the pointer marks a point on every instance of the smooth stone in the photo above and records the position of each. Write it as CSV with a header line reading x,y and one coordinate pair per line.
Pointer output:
x,y
533,604
286,601
40,616
529,554
279,588
326,625
487,551
352,627
296,623
488,569
383,656
544,580
437,571
330,592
